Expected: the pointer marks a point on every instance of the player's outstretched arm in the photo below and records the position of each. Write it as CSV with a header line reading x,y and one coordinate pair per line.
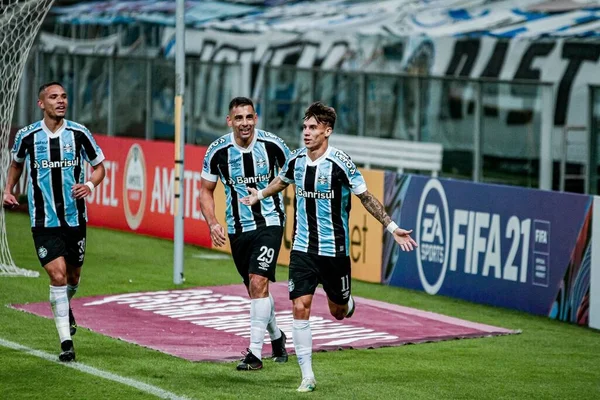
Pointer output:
x,y
207,205
81,190
276,186
14,173
376,209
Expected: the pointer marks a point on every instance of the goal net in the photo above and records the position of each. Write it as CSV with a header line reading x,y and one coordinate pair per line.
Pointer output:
x,y
20,21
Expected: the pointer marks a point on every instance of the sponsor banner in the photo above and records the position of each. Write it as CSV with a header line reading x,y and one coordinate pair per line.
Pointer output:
x,y
365,231
138,191
511,247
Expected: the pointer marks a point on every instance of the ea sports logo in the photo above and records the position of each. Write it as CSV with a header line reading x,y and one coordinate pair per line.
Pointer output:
x,y
134,187
433,236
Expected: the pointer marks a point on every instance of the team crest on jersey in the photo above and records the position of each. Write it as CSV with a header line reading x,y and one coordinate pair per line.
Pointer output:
x,y
42,252
323,179
291,285
261,163
67,148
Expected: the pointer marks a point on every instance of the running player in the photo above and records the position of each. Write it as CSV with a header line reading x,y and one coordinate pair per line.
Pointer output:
x,y
324,178
54,149
249,158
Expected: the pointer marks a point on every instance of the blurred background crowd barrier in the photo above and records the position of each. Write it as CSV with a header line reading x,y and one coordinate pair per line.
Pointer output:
x,y
509,90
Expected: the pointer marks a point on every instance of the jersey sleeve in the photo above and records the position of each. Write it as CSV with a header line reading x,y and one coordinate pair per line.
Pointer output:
x,y
210,170
287,172
19,150
92,153
283,154
357,183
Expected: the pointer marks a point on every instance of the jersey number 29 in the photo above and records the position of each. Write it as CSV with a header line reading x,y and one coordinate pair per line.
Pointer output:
x,y
266,254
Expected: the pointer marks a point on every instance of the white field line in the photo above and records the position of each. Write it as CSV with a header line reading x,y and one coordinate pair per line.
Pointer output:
x,y
144,387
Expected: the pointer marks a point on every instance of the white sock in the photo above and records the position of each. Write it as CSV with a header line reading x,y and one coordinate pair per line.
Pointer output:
x,y
60,308
71,290
260,312
302,336
272,328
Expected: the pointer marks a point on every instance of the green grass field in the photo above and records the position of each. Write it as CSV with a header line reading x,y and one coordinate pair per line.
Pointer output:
x,y
549,360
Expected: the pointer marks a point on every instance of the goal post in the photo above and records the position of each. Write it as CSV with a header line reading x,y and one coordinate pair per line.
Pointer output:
x,y
20,21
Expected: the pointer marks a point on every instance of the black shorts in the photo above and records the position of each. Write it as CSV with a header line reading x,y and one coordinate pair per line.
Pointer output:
x,y
51,243
308,270
256,252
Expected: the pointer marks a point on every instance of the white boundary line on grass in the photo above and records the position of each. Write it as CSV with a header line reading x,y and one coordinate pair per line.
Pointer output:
x,y
144,387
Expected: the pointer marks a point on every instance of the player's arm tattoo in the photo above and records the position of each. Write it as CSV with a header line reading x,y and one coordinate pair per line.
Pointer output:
x,y
375,208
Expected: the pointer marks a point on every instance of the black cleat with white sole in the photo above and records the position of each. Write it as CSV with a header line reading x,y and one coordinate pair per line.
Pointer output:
x,y
68,352
250,362
279,354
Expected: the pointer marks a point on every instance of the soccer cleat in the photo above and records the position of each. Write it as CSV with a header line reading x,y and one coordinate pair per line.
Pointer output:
x,y
68,352
249,363
307,385
72,322
350,309
279,354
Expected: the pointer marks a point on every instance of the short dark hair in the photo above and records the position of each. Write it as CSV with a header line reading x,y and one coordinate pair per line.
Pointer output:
x,y
323,114
47,85
240,101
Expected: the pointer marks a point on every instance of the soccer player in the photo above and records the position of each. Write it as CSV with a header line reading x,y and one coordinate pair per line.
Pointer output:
x,y
324,178
249,158
54,149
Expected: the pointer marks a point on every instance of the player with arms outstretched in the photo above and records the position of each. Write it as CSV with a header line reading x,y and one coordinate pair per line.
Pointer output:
x,y
54,149
324,178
